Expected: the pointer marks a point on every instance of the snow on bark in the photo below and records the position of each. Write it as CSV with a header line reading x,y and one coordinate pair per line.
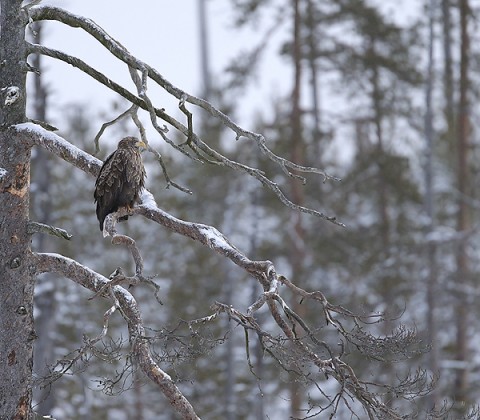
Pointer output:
x,y
60,147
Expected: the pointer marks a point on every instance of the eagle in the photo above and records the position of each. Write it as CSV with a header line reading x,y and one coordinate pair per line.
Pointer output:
x,y
120,180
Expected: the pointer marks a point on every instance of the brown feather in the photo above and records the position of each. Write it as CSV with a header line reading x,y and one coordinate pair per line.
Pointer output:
x,y
120,180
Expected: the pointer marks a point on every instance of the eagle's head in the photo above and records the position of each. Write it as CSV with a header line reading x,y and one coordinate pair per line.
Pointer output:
x,y
130,143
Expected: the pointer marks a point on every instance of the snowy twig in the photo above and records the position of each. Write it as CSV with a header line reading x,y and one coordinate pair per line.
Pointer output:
x,y
208,236
118,277
140,348
119,51
60,147
141,85
109,228
262,271
35,227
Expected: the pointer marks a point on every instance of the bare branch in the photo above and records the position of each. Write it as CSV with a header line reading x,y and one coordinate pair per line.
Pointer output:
x,y
60,147
209,236
141,84
351,387
119,51
123,115
35,227
305,348
140,348
118,277
99,77
117,239
168,180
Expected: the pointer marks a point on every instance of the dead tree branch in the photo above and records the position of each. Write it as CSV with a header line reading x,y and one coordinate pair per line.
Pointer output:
x,y
36,227
94,281
38,13
307,349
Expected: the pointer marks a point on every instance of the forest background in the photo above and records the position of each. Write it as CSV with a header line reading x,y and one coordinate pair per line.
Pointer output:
x,y
379,94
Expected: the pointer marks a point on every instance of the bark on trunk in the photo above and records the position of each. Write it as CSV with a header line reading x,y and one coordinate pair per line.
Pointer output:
x,y
448,79
431,294
298,156
463,221
16,276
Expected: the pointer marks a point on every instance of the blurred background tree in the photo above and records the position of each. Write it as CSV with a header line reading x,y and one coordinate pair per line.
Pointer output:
x,y
386,105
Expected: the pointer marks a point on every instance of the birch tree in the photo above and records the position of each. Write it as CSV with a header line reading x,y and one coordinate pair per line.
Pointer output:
x,y
295,345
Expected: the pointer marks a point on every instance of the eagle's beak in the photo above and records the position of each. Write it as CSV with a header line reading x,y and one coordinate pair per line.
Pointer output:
x,y
140,143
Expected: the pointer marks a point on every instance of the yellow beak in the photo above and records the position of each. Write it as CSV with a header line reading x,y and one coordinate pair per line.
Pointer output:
x,y
140,143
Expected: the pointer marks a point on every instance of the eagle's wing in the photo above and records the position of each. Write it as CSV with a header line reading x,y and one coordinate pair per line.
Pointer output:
x,y
109,185
120,180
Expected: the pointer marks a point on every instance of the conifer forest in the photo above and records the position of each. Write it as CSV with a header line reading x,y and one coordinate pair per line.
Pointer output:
x,y
307,242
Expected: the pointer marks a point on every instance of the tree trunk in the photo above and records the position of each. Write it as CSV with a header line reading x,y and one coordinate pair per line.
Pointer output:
x,y
463,222
448,87
16,275
386,281
312,61
431,295
45,303
204,50
297,243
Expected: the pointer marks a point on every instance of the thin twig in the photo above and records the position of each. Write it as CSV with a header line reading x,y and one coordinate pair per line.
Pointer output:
x,y
119,51
110,123
36,227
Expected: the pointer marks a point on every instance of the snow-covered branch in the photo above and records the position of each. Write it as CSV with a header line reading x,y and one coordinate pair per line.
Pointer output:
x,y
209,236
206,235
307,347
119,51
94,281
117,239
37,135
38,13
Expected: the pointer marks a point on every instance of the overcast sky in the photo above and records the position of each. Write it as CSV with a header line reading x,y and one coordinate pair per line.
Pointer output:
x,y
163,33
